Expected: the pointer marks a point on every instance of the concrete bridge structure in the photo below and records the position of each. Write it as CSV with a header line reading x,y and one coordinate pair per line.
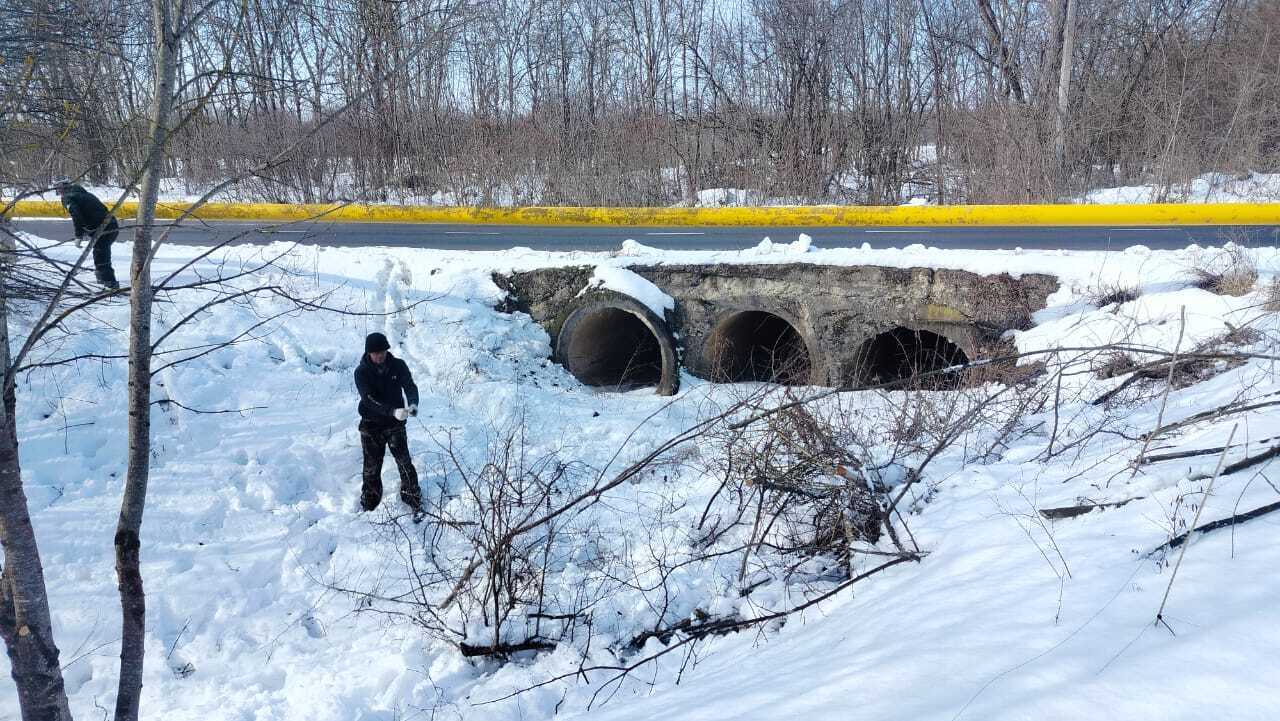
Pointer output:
x,y
795,323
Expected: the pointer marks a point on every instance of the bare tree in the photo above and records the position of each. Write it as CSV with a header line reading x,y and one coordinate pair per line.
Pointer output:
x,y
25,624
1067,52
598,101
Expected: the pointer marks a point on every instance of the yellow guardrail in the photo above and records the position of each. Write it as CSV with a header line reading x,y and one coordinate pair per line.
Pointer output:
x,y
821,215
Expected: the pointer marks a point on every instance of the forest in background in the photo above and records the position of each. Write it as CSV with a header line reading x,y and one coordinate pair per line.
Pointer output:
x,y
649,102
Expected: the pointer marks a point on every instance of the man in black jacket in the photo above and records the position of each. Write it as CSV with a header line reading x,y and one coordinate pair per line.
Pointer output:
x,y
91,218
381,379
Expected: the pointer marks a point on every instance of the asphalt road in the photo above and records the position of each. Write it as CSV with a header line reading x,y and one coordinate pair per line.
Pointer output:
x,y
502,237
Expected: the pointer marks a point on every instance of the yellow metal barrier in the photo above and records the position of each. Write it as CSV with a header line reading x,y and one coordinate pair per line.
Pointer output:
x,y
822,215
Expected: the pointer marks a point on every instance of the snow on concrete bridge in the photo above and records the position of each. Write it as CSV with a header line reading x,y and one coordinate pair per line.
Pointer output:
x,y
793,323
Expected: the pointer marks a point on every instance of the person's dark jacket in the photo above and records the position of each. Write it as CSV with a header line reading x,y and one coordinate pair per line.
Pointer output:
x,y
86,211
380,386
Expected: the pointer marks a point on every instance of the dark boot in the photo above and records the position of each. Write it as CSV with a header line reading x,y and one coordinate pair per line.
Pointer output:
x,y
106,277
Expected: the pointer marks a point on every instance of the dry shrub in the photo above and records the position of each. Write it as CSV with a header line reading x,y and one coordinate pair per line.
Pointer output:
x,y
1180,372
1192,371
1007,373
1233,337
1229,341
1104,294
1233,272
1272,303
1113,364
801,455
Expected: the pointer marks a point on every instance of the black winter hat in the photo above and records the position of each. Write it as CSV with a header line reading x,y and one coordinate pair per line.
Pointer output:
x,y
375,342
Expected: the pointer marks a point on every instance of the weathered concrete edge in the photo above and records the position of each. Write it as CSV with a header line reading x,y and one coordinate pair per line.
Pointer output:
x,y
598,300
814,216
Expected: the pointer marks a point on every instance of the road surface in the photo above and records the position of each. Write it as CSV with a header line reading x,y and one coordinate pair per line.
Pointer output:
x,y
502,237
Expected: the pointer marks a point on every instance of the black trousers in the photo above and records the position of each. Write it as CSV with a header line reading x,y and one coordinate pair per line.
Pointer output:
x,y
375,438
102,241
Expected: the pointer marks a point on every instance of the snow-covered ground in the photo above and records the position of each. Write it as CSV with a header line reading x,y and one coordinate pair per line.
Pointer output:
x,y
1208,188
252,523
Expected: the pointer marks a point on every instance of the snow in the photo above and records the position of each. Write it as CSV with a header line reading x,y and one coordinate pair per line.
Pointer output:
x,y
621,280
717,197
172,190
251,524
1207,188
766,247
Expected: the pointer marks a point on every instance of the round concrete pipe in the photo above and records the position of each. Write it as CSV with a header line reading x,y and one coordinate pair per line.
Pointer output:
x,y
757,345
905,352
619,344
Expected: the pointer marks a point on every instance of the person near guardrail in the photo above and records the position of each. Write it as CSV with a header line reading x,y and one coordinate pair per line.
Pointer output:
x,y
92,219
385,385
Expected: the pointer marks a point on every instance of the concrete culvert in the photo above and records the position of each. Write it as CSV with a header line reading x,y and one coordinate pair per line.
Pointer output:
x,y
758,346
618,345
903,352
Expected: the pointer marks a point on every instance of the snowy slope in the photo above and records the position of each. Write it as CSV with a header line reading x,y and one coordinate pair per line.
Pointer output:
x,y
252,521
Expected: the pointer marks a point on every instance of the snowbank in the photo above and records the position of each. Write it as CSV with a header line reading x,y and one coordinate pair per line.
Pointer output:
x,y
1208,188
621,280
252,530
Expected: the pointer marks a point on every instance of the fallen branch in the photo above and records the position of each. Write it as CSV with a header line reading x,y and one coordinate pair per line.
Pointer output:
x,y
1159,457
1054,514
166,402
705,627
1235,520
1215,413
1248,461
505,649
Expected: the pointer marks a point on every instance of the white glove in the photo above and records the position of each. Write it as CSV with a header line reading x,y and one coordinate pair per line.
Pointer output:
x,y
413,409
400,413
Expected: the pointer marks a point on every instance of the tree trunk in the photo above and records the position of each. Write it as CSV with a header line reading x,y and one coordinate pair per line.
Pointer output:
x,y
1008,70
1064,91
128,529
25,624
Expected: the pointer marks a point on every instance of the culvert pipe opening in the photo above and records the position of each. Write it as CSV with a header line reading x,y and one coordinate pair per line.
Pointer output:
x,y
904,353
758,346
613,348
